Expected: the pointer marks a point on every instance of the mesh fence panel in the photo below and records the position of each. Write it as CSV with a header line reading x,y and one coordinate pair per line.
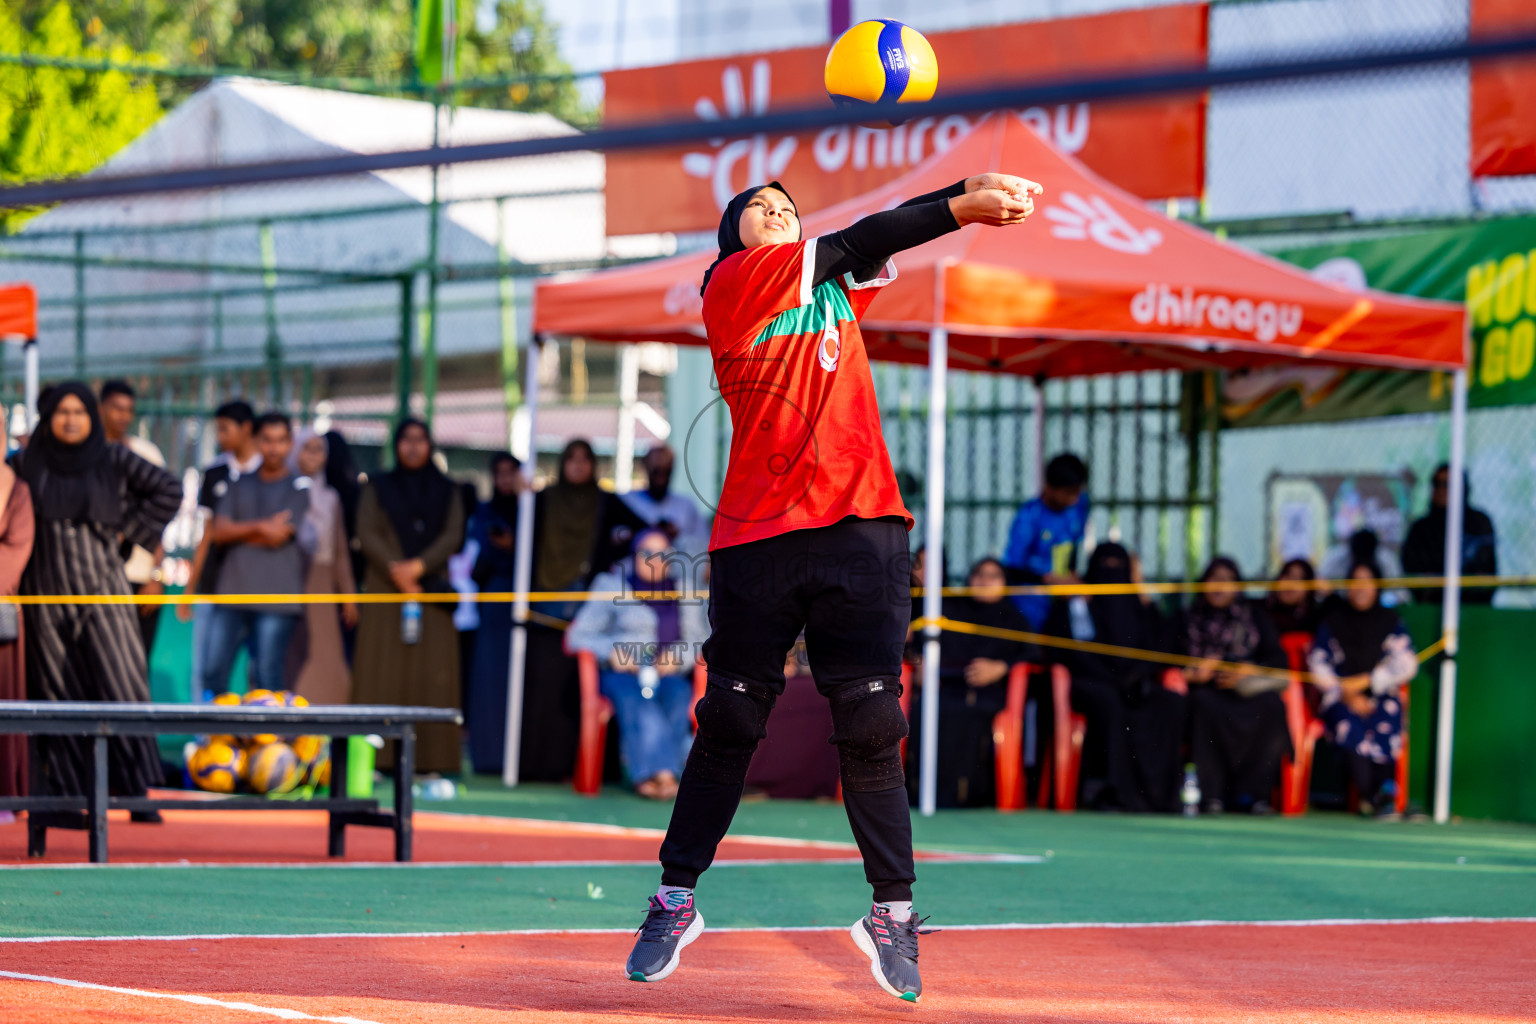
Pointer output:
x,y
347,301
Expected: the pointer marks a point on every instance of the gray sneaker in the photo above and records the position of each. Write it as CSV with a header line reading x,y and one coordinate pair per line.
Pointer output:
x,y
892,950
662,937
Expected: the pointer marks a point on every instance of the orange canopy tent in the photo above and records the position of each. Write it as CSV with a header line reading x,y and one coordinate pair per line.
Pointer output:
x,y
18,311
18,322
1096,282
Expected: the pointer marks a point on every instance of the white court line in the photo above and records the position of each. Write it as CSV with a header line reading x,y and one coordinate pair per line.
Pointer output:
x,y
555,825
938,858
223,1004
1323,922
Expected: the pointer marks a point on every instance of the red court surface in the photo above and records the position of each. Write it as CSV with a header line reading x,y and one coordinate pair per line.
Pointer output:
x,y
1477,973
295,836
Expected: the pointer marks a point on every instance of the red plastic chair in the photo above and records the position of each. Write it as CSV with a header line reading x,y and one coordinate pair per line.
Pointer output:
x,y
1305,728
1402,755
1071,728
1008,741
596,713
1007,735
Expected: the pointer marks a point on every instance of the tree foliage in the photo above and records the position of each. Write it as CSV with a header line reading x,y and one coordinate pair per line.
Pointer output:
x,y
521,44
364,39
58,122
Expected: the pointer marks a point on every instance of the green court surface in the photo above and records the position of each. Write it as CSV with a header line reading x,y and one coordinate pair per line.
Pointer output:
x,y
1092,868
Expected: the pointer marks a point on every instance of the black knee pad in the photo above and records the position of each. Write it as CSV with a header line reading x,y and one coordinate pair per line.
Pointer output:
x,y
869,726
731,722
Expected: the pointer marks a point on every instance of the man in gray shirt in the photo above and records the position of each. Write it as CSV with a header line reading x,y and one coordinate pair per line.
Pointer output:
x,y
261,525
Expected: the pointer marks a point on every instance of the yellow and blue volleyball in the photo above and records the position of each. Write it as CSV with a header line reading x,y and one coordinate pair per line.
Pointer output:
x,y
273,768
881,61
216,767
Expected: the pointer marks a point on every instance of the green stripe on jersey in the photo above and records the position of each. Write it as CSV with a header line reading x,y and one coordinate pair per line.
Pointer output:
x,y
811,318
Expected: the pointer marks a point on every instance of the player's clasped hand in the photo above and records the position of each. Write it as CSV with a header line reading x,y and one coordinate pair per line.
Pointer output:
x,y
995,199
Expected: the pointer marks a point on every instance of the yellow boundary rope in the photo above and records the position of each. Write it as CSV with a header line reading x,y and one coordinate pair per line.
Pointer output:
x,y
1136,653
950,625
539,596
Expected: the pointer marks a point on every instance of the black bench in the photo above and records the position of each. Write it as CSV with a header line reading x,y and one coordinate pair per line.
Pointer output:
x,y
102,720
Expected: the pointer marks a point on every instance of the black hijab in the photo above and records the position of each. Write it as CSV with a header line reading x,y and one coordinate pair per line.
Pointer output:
x,y
1117,618
1294,618
1122,620
341,477
957,650
503,506
415,500
1228,634
71,481
729,235
1360,634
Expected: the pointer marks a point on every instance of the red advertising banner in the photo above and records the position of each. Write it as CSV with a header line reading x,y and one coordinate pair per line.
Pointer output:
x,y
1503,95
1152,148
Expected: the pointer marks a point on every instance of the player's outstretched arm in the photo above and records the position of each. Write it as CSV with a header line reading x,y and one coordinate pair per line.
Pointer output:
x,y
863,247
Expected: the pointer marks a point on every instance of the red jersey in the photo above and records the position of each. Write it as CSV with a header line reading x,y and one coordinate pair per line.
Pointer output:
x,y
806,444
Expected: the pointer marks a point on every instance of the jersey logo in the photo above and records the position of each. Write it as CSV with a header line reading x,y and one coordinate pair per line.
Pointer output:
x,y
831,344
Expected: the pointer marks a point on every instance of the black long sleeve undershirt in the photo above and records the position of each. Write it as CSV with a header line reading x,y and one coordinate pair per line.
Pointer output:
x,y
863,246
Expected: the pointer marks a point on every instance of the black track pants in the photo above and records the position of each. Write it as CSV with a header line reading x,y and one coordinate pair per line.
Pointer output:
x,y
847,586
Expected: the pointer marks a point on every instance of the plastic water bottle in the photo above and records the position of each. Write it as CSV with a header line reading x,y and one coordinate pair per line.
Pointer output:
x,y
650,680
410,622
436,789
1189,793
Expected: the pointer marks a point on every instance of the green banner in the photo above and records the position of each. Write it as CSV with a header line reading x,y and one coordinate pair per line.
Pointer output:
x,y
1490,266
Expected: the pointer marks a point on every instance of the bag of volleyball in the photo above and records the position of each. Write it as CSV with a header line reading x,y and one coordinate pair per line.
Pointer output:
x,y
880,61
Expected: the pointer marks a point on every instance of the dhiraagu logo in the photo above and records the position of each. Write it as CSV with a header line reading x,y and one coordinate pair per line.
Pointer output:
x,y
1501,299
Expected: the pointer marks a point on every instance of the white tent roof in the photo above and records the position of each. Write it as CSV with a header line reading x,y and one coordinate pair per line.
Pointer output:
x,y
238,120
243,120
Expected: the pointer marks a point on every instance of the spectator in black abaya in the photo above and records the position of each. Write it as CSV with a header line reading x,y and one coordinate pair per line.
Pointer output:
x,y
495,527
1135,726
1424,550
565,527
87,497
973,687
1238,730
1293,607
